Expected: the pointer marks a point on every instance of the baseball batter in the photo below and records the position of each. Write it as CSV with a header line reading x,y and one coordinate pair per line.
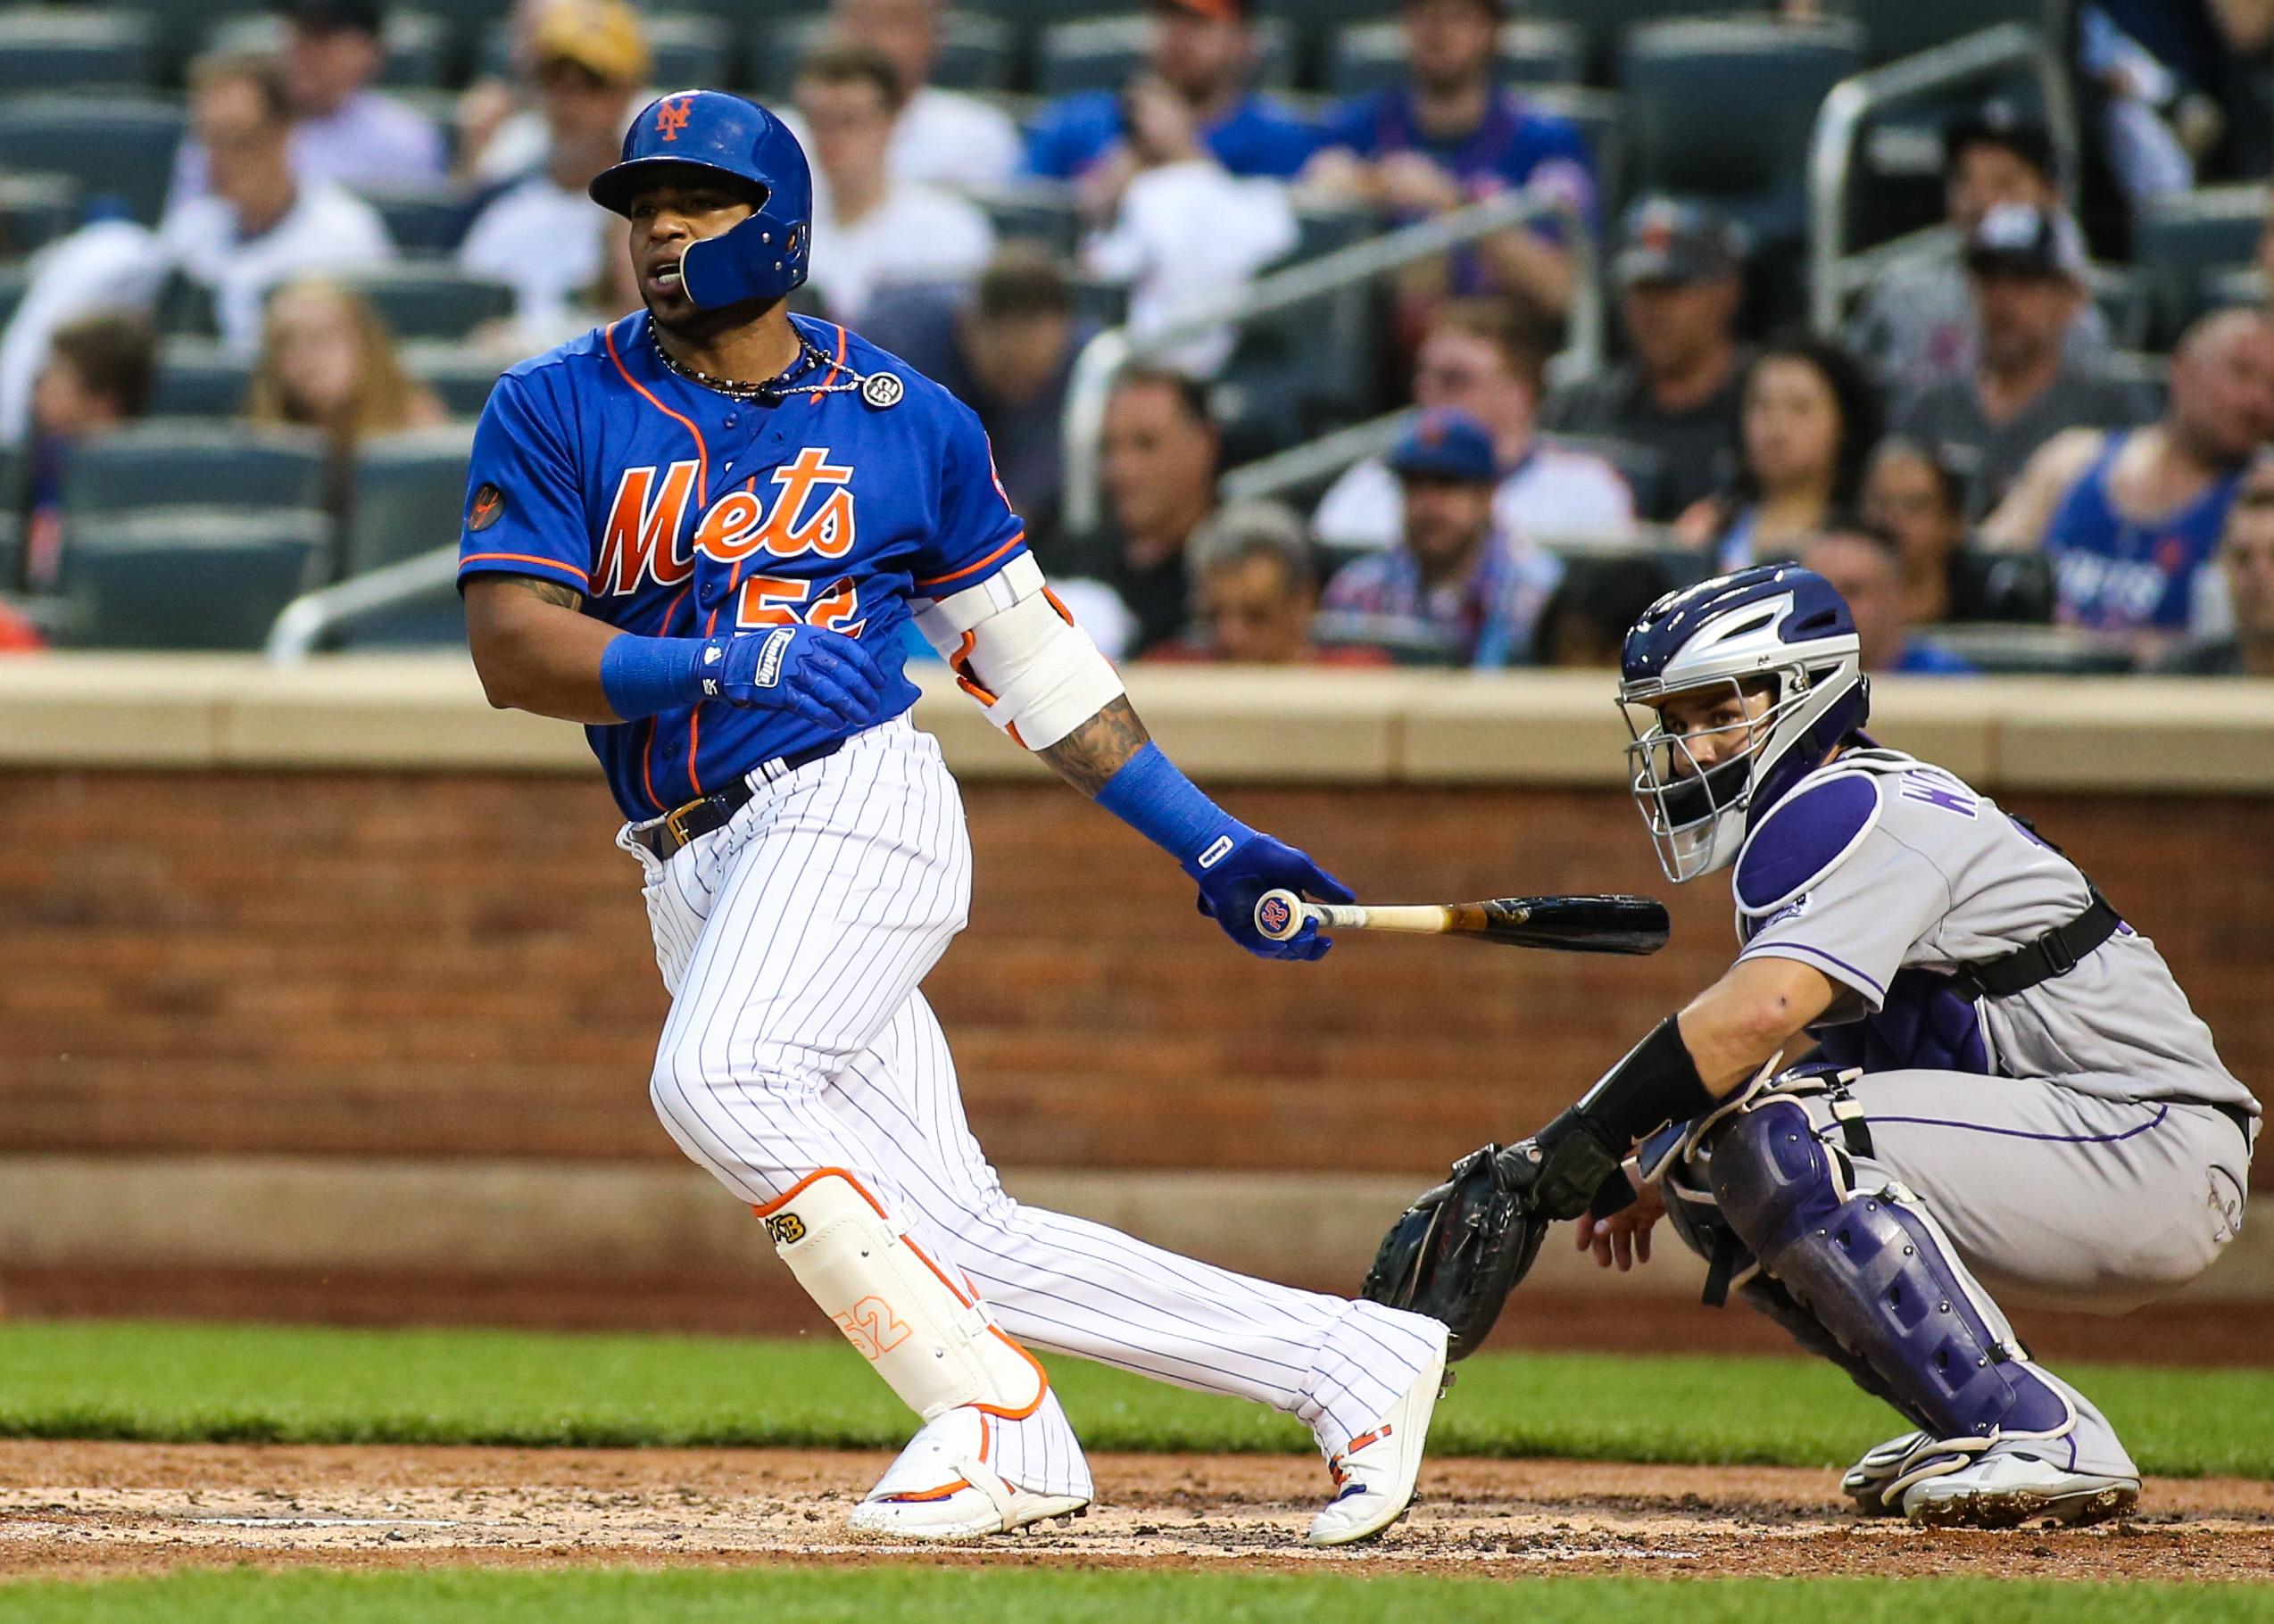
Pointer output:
x,y
2012,1100
702,532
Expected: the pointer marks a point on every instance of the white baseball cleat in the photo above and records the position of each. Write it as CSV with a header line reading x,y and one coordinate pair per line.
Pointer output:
x,y
1867,1481
1373,1477
2004,1489
942,1487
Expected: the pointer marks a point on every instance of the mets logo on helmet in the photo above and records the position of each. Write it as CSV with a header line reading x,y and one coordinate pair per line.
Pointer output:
x,y
671,117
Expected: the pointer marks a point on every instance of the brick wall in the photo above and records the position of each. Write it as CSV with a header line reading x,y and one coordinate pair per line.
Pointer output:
x,y
374,964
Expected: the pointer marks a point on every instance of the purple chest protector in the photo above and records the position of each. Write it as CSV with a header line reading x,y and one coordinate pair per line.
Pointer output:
x,y
1924,1025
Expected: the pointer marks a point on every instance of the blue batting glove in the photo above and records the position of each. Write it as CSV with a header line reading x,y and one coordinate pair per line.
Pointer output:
x,y
1231,887
821,676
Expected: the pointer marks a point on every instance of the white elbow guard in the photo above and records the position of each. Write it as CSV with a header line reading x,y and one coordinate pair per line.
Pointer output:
x,y
1014,649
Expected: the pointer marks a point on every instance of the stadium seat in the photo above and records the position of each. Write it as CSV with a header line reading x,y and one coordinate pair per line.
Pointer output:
x,y
432,300
434,619
11,540
117,145
1371,55
1893,29
1035,211
1604,24
2022,650
976,53
1723,108
1102,53
35,209
408,496
179,28
188,578
178,463
463,376
43,48
689,48
419,48
2183,247
429,219
197,379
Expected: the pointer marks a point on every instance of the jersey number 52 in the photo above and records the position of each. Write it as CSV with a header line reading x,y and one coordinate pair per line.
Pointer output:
x,y
768,601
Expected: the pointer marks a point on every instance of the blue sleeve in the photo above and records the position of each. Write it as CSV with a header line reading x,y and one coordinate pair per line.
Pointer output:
x,y
1552,157
977,532
525,511
1263,140
1352,125
1071,134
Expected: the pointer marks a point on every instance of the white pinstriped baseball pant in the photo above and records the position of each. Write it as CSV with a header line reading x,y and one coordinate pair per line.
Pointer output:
x,y
792,941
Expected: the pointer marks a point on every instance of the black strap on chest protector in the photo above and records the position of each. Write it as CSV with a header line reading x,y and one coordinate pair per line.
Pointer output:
x,y
2053,954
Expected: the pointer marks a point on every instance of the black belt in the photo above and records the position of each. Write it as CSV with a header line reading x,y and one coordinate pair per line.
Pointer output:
x,y
2053,954
665,835
2236,1114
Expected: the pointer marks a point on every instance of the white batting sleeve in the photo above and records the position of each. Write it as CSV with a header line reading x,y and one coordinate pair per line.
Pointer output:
x,y
1012,648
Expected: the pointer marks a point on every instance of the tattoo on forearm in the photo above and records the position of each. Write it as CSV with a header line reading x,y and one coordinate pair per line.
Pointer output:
x,y
552,591
1095,751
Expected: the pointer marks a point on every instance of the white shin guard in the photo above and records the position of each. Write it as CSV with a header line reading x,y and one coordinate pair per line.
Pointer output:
x,y
931,1340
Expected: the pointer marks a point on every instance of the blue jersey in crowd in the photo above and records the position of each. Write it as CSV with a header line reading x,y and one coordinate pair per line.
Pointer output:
x,y
2115,574
1516,144
1256,137
678,511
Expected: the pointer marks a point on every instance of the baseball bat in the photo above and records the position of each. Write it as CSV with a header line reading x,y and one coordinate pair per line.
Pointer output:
x,y
1565,925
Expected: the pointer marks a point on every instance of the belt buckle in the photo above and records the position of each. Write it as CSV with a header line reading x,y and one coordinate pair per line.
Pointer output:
x,y
675,824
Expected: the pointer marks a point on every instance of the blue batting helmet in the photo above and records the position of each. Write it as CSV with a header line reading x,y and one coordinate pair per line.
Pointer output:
x,y
763,257
1776,628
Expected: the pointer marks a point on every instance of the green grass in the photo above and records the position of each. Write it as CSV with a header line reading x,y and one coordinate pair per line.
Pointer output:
x,y
289,1384
887,1593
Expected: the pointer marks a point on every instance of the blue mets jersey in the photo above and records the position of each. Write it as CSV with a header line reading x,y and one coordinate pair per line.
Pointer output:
x,y
678,511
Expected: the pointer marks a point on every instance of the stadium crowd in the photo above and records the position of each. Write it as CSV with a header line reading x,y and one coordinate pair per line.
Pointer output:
x,y
2009,428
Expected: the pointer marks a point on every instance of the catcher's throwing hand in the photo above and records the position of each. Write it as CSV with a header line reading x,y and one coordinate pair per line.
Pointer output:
x,y
1621,1238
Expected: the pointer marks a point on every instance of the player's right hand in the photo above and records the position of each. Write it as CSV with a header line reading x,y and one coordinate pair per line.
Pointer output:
x,y
822,676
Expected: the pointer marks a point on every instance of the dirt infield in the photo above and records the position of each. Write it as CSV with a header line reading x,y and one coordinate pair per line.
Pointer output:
x,y
93,1510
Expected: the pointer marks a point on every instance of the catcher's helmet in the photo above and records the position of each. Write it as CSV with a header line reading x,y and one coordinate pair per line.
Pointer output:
x,y
763,257
1776,625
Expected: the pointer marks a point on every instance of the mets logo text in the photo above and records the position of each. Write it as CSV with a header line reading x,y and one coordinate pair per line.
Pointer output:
x,y
671,117
871,1326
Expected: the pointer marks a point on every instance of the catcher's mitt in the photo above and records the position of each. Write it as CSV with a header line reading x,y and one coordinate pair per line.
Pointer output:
x,y
1456,1252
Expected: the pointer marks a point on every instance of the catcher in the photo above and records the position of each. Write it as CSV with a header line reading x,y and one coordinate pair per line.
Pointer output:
x,y
2009,1094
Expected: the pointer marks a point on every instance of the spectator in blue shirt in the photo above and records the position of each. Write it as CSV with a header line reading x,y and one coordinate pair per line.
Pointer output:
x,y
1203,52
1865,565
1451,136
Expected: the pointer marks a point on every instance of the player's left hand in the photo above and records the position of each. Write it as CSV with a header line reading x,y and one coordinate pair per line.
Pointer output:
x,y
1230,891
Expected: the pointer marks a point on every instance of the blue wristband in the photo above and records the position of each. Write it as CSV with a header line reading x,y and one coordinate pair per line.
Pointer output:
x,y
642,676
1167,808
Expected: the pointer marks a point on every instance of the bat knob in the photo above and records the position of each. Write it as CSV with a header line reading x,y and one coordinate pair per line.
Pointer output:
x,y
1279,915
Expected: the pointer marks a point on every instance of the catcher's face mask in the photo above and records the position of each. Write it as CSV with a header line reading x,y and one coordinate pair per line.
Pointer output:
x,y
1691,765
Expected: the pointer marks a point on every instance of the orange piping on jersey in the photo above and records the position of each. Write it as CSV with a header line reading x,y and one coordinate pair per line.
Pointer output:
x,y
795,1190
1017,540
835,367
703,451
525,558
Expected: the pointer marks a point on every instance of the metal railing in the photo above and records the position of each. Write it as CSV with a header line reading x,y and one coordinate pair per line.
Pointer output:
x,y
312,616
1831,156
1104,356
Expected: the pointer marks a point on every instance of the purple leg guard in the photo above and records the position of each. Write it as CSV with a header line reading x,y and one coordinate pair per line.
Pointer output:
x,y
1872,1271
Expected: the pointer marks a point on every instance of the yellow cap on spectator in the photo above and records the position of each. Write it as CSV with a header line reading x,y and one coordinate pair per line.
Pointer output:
x,y
603,37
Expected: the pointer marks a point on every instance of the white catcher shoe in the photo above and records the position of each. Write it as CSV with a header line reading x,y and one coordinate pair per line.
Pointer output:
x,y
1373,1477
942,1489
1867,1481
2004,1489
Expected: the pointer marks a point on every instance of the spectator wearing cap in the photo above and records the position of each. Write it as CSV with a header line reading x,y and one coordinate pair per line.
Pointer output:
x,y
1007,350
1254,594
1481,357
259,224
1917,323
943,138
2026,274
1159,459
1202,55
343,130
2246,562
2130,520
1910,495
1680,275
1452,578
1451,135
1863,566
543,235
96,379
870,228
